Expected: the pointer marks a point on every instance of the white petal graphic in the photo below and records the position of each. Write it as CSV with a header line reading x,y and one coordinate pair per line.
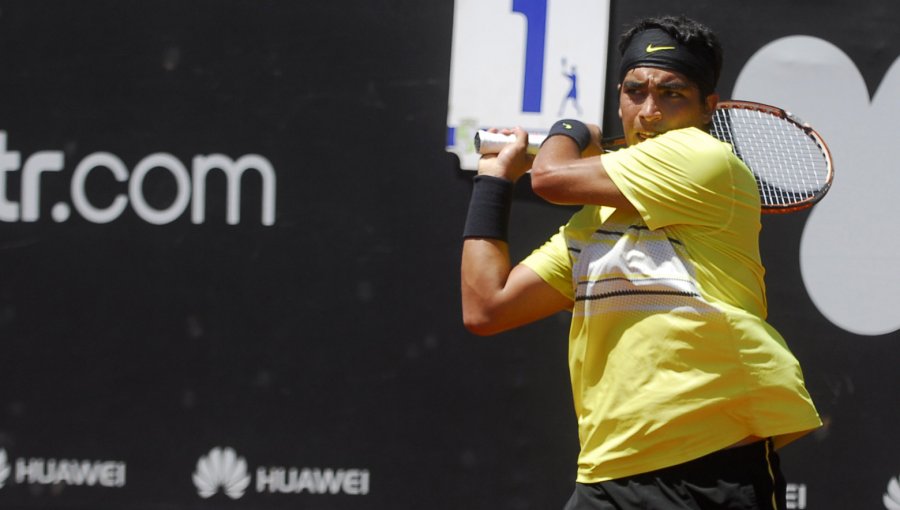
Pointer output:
x,y
849,251
4,467
203,477
238,482
891,499
890,505
204,488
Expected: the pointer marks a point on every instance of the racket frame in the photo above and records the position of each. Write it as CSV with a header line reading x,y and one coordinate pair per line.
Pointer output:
x,y
808,131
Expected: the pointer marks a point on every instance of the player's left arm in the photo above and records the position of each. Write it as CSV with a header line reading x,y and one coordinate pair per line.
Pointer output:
x,y
562,174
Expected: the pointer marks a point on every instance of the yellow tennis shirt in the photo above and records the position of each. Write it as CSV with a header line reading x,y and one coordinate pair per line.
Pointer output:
x,y
670,355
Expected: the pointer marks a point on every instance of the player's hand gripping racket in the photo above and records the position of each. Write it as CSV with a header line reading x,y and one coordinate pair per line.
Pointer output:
x,y
789,159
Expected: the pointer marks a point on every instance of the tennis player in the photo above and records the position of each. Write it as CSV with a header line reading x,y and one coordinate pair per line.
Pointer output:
x,y
682,390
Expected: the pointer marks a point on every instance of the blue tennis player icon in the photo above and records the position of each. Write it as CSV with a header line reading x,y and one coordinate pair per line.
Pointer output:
x,y
572,96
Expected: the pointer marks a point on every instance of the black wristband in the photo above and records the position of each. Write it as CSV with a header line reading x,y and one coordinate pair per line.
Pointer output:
x,y
489,208
574,129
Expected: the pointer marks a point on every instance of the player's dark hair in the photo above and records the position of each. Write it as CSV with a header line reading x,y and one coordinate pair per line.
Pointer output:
x,y
698,38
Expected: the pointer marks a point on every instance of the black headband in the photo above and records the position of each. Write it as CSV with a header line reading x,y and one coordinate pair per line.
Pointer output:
x,y
656,48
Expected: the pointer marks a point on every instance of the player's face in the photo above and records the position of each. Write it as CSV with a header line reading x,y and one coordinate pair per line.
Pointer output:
x,y
653,101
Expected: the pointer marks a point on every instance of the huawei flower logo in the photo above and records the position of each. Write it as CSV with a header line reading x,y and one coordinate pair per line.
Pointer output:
x,y
221,468
4,467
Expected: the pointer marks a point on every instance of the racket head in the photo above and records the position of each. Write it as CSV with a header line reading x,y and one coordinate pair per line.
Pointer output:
x,y
789,159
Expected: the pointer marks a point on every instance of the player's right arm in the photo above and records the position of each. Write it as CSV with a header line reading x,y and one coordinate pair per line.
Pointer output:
x,y
496,296
563,174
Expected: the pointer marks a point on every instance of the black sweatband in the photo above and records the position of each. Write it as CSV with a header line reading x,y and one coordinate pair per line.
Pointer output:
x,y
489,208
574,129
654,47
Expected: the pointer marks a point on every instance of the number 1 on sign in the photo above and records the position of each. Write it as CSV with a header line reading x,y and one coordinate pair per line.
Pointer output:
x,y
535,12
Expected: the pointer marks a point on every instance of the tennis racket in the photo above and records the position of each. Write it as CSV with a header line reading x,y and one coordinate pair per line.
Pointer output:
x,y
790,160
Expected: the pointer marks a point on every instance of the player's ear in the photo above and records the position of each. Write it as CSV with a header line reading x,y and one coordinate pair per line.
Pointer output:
x,y
709,106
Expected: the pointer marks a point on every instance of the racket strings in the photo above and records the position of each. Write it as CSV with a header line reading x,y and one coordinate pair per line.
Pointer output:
x,y
788,163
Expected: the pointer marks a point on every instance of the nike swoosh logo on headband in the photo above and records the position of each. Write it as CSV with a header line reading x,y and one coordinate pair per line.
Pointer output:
x,y
654,49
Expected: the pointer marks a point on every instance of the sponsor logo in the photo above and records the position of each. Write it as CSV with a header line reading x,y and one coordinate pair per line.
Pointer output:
x,y
312,480
222,468
41,471
796,496
891,498
190,186
653,49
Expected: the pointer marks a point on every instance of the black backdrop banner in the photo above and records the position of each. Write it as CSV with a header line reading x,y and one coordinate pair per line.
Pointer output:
x,y
229,248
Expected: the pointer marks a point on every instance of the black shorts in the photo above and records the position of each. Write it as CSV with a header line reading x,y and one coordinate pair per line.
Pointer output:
x,y
741,478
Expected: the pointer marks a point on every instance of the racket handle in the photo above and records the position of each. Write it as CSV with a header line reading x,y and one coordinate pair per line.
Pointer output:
x,y
492,143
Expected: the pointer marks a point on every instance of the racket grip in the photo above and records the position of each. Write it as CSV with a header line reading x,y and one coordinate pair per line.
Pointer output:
x,y
492,143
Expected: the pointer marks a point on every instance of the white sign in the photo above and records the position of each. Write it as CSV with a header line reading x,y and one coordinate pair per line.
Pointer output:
x,y
524,63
